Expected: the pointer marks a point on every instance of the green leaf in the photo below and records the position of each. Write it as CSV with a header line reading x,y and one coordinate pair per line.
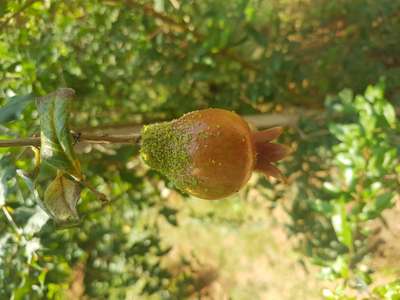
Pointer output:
x,y
342,226
61,117
61,198
24,288
345,133
373,93
341,266
42,277
330,187
6,172
56,141
344,159
36,222
31,186
376,208
13,108
389,291
390,114
346,96
349,176
384,201
323,207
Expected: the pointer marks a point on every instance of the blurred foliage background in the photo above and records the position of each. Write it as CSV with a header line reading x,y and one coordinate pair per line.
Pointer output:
x,y
328,70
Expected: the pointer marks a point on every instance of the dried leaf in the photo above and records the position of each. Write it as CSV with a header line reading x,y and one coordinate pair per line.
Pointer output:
x,y
61,198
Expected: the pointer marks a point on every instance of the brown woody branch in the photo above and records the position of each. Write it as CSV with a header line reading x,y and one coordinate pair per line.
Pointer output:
x,y
260,121
78,137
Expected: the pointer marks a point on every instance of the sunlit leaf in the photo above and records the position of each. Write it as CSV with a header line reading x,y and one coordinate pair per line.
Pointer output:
x,y
341,266
342,226
31,246
25,286
374,93
349,176
390,114
389,291
344,159
346,132
346,96
36,221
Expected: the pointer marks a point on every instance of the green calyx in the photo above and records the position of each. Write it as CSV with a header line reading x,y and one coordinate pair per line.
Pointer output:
x,y
165,148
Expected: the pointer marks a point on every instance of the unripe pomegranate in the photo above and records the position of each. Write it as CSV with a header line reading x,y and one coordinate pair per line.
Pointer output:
x,y
210,153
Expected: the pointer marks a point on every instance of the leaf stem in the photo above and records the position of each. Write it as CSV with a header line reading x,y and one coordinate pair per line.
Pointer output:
x,y
78,137
11,220
105,204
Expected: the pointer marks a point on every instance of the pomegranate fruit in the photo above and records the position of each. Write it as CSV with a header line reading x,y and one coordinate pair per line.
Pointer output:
x,y
211,153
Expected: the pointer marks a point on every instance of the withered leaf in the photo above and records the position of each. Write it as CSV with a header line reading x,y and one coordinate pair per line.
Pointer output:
x,y
61,198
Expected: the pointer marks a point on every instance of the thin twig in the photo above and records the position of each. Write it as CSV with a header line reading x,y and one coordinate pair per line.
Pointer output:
x,y
99,195
11,220
109,139
22,142
105,204
78,137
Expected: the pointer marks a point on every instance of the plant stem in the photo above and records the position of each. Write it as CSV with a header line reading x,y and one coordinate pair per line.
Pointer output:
x,y
78,137
105,204
11,220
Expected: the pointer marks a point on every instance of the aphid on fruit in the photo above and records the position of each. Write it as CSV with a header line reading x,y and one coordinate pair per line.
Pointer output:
x,y
211,153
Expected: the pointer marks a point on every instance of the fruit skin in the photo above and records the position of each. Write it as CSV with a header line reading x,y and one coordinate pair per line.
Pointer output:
x,y
209,153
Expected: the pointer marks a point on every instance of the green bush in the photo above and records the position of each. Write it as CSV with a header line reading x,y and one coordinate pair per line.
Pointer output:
x,y
134,62
350,180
